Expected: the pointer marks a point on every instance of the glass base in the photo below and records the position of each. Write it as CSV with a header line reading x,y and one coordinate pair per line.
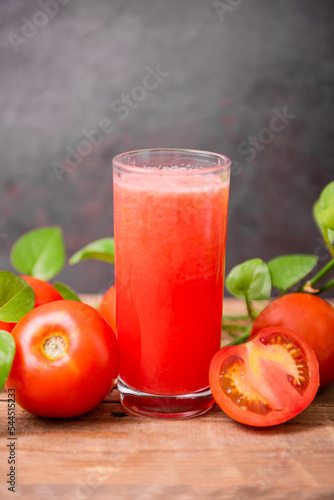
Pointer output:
x,y
156,405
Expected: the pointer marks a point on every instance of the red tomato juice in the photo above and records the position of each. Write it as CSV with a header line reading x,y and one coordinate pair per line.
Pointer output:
x,y
170,253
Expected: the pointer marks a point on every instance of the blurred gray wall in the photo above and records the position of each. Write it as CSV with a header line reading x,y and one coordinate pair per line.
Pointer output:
x,y
251,79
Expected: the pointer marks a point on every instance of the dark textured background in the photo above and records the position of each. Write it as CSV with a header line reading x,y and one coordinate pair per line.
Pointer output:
x,y
227,74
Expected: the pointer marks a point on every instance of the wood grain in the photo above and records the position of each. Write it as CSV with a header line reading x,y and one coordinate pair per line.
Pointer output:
x,y
107,454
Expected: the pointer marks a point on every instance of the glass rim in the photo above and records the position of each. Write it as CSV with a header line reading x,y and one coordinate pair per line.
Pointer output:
x,y
225,161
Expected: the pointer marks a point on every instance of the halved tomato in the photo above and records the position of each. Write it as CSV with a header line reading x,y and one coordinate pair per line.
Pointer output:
x,y
266,381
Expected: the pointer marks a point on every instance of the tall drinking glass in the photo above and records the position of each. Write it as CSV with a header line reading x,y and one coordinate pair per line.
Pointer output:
x,y
170,217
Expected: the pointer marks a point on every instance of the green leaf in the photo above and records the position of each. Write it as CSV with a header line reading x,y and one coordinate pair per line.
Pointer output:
x,y
250,279
326,217
7,353
327,195
17,298
287,270
39,253
66,292
322,227
323,208
316,209
331,235
102,249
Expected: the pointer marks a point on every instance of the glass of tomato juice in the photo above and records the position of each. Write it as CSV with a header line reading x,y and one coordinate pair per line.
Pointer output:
x,y
170,218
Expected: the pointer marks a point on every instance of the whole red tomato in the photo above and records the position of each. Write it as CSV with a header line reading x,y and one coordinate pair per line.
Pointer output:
x,y
44,293
309,316
267,380
107,307
66,359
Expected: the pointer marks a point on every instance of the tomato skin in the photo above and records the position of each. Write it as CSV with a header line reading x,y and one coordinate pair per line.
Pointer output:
x,y
107,307
8,327
269,380
309,316
77,381
44,293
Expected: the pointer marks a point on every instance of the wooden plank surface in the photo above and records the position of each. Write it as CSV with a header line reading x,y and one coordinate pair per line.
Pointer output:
x,y
108,454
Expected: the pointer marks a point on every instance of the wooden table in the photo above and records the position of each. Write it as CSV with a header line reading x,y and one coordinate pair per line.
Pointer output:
x,y
108,454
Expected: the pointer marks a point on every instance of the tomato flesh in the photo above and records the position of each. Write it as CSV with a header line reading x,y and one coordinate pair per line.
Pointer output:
x,y
234,383
267,380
